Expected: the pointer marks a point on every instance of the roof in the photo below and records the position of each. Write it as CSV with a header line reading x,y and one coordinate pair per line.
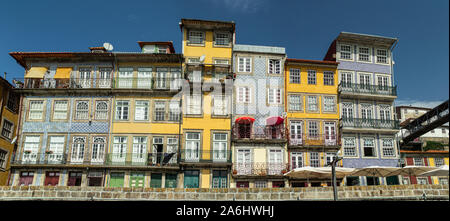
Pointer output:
x,y
168,43
304,61
207,24
366,38
259,49
6,82
413,107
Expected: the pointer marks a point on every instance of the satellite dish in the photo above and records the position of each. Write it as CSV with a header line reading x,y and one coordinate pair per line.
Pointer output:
x,y
14,140
202,58
108,46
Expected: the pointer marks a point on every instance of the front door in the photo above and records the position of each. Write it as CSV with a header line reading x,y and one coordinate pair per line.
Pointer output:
x,y
171,180
137,180
116,180
51,178
74,179
156,180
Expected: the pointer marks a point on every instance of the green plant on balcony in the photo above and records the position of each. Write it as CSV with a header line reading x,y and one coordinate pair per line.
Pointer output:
x,y
433,145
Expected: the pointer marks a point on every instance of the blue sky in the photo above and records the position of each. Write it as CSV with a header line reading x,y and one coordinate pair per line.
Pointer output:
x,y
304,28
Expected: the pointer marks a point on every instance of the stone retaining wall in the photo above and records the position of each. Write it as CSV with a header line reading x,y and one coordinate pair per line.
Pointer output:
x,y
398,192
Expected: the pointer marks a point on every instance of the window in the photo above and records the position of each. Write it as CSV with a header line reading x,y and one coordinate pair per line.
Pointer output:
x,y
221,61
329,158
438,161
174,111
329,104
220,146
313,129
125,78
346,52
56,148
296,160
119,149
219,179
382,56
193,60
243,95
349,146
85,77
78,149
98,149
60,110
383,83
3,159
385,112
196,37
141,110
26,178
104,80
369,147
194,104
274,95
260,184
388,147
312,103
158,146
328,78
192,146
82,110
31,148
139,149
314,159
295,133
244,64
160,110
7,129
144,79
346,79
220,103
172,147
443,181
122,110
347,110
274,66
294,75
311,77
363,54
161,78
222,38
36,110
418,161
95,178
422,180
366,111
101,110
295,102
175,81
13,102
51,178
162,49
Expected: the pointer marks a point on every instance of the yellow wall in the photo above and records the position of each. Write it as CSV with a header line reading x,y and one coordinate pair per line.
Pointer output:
x,y
5,144
209,50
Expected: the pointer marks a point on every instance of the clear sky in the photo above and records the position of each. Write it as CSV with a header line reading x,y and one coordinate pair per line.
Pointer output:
x,y
304,28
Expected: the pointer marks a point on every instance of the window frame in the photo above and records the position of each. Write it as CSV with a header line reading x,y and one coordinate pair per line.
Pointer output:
x,y
377,55
11,129
328,81
54,110
308,109
202,37
96,110
116,106
273,70
228,39
351,52
310,79
374,147
277,100
42,111
290,102
247,61
325,105
293,76
146,107
76,110
368,54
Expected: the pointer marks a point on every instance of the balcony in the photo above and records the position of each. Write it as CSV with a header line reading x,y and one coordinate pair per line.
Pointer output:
x,y
359,124
250,133
205,156
149,83
307,140
141,159
259,169
30,158
367,91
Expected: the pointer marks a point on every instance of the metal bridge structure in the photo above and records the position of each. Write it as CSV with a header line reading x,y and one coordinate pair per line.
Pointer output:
x,y
425,123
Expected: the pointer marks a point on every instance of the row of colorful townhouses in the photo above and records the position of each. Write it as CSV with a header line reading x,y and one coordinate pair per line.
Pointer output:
x,y
218,115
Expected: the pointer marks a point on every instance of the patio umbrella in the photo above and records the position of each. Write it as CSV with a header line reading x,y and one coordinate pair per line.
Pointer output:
x,y
411,170
374,171
274,121
340,171
440,171
306,172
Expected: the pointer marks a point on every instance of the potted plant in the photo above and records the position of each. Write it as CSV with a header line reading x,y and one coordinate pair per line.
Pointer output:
x,y
48,152
234,172
27,151
283,171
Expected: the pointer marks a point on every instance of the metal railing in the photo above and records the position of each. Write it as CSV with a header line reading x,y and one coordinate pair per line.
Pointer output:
x,y
259,169
165,83
370,123
368,89
247,131
32,158
141,159
304,139
205,156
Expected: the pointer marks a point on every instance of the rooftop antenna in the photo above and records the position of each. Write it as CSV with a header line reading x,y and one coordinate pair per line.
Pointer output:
x,y
108,46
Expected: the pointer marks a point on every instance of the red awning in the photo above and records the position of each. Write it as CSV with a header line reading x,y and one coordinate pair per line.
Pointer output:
x,y
244,120
274,120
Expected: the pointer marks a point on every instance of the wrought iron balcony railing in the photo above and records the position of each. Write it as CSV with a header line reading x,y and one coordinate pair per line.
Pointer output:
x,y
259,169
250,132
205,156
303,139
367,89
369,123
33,158
165,83
141,159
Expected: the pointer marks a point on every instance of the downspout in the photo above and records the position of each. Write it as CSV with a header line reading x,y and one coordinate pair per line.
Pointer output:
x,y
392,74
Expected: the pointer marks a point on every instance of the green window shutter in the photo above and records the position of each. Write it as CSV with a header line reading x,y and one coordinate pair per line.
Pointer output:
x,y
137,180
155,181
171,181
116,179
191,179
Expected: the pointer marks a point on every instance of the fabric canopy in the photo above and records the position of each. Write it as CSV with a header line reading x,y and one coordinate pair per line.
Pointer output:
x,y
36,72
274,120
245,120
375,171
440,171
63,72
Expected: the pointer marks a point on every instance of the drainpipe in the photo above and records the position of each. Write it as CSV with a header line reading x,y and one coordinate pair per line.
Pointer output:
x,y
392,74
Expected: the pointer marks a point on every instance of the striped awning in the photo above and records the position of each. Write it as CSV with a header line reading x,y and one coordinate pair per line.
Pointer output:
x,y
36,72
63,72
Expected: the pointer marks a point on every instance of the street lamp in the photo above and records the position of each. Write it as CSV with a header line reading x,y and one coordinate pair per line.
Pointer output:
x,y
336,159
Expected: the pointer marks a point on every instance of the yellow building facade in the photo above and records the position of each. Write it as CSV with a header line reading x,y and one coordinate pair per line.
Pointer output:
x,y
205,153
312,114
9,105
